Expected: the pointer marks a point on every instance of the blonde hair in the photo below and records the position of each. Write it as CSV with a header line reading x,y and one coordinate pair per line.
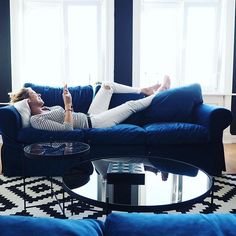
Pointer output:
x,y
19,95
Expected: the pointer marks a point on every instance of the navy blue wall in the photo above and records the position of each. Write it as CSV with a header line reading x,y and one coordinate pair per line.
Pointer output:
x,y
5,52
123,41
233,100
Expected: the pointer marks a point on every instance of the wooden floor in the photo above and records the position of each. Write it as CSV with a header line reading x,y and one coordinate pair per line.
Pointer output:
x,y
230,158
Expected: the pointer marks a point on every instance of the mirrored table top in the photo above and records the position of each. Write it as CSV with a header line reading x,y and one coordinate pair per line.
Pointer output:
x,y
165,184
56,149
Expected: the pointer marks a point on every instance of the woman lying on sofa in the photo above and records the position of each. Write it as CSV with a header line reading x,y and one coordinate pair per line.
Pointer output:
x,y
99,116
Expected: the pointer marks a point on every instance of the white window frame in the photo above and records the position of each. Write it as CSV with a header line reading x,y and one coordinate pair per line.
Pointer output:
x,y
105,66
225,55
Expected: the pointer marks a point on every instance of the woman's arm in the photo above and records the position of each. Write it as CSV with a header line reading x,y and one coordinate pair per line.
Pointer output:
x,y
68,119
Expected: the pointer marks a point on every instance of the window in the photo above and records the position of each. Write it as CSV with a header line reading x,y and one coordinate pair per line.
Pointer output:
x,y
56,41
183,38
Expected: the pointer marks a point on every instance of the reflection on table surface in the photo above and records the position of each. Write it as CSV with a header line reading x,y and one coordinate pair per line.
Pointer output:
x,y
56,148
163,183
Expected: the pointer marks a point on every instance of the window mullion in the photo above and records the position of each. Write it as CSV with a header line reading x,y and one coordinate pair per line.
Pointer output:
x,y
182,79
218,47
100,67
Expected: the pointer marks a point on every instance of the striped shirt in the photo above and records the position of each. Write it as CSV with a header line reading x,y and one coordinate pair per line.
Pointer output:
x,y
53,120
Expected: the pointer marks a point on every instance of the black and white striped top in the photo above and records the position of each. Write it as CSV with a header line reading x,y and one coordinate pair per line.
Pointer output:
x,y
53,120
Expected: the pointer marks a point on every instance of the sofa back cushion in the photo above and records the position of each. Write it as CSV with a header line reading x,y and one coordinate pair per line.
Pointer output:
x,y
174,105
81,95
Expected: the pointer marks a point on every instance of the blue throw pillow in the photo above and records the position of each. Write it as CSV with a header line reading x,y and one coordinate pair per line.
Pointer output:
x,y
174,105
81,95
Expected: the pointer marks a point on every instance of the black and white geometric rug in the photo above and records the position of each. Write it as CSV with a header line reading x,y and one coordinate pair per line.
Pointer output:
x,y
38,193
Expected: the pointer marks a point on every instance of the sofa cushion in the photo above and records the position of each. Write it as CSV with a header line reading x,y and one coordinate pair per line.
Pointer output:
x,y
120,134
26,225
31,135
174,105
81,95
175,133
170,224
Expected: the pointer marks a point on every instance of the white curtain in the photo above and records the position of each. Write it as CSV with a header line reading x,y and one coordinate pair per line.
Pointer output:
x,y
56,41
191,40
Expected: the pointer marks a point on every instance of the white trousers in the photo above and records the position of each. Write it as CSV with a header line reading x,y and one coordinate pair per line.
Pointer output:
x,y
101,117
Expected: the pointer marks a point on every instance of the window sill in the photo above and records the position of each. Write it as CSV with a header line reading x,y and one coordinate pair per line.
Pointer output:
x,y
219,94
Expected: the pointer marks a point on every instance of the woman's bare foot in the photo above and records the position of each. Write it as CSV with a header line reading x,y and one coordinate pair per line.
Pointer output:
x,y
165,85
150,90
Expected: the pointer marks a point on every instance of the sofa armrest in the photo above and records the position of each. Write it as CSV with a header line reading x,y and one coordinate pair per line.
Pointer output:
x,y
215,118
10,122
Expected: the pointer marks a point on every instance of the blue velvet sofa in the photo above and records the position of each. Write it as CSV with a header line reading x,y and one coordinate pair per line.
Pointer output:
x,y
117,224
176,125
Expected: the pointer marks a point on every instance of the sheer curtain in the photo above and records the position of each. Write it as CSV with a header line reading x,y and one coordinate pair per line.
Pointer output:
x,y
56,41
187,39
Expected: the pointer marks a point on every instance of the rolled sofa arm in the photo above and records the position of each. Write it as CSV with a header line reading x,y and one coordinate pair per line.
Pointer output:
x,y
10,121
215,118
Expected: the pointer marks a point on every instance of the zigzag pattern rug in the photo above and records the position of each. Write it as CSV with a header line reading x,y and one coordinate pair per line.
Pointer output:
x,y
41,203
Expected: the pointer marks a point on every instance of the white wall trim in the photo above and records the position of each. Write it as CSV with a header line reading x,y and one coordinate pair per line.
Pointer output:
x,y
136,42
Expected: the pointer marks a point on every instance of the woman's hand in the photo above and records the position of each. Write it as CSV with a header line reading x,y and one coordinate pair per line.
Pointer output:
x,y
68,118
67,98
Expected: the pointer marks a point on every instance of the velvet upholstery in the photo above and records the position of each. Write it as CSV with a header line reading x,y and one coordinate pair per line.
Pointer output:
x,y
53,96
176,133
119,135
26,225
117,224
133,224
176,125
174,105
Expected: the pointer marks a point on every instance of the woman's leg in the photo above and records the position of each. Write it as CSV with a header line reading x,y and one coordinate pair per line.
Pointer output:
x,y
120,113
102,99
121,88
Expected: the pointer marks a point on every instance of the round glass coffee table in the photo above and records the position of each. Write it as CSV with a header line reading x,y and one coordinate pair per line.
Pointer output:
x,y
57,150
141,184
